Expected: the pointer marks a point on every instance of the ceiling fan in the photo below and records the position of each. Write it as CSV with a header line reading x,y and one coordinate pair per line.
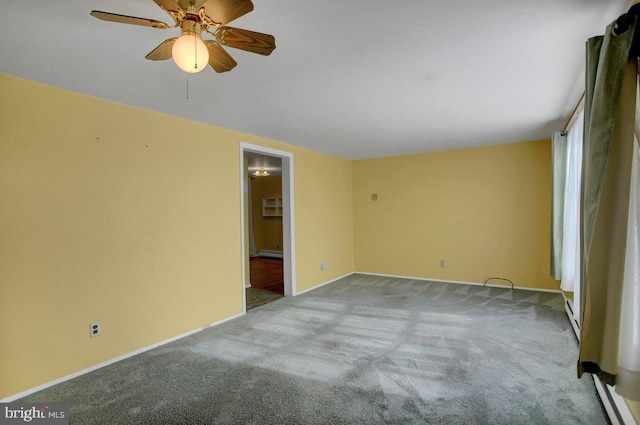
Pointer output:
x,y
193,17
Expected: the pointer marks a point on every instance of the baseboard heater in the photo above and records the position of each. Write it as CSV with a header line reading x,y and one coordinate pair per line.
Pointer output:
x,y
270,254
615,406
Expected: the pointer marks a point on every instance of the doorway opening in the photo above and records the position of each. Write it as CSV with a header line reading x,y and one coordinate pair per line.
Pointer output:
x,y
267,225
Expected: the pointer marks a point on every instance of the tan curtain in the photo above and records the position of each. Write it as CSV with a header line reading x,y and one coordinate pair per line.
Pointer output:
x,y
606,180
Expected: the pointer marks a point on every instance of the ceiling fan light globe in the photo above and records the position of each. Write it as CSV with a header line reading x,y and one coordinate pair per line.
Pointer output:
x,y
190,53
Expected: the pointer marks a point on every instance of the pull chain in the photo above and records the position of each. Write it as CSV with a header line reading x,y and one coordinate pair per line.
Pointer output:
x,y
195,57
195,48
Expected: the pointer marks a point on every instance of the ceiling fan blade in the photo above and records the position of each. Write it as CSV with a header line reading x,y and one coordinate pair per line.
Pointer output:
x,y
163,51
225,11
251,41
219,59
124,19
172,8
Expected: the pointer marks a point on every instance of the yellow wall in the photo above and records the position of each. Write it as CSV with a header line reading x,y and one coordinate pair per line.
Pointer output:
x,y
132,218
325,231
115,214
267,231
485,211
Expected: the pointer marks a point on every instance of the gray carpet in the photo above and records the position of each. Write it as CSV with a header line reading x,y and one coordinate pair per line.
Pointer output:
x,y
256,297
363,350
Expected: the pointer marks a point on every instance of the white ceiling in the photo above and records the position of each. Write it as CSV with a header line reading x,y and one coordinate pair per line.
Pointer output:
x,y
356,79
270,164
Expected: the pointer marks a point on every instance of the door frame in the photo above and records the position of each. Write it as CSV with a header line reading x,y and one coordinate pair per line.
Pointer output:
x,y
288,233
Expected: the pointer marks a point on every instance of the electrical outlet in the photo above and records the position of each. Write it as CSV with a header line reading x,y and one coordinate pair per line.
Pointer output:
x,y
94,329
323,266
442,263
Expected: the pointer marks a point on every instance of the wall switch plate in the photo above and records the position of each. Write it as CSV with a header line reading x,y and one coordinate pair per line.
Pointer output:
x,y
442,263
94,329
323,266
374,196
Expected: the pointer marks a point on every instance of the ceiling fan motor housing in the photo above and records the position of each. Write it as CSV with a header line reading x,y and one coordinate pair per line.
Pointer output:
x,y
191,25
190,52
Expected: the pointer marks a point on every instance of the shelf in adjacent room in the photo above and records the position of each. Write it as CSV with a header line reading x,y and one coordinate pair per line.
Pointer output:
x,y
272,207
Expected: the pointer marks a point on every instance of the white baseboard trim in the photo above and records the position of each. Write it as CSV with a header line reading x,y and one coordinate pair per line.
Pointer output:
x,y
492,285
112,361
270,254
323,284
